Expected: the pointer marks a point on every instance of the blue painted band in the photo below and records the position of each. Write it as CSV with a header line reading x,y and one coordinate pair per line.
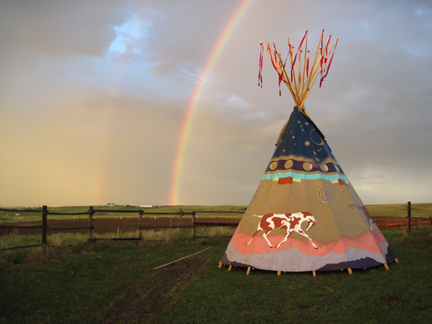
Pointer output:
x,y
329,177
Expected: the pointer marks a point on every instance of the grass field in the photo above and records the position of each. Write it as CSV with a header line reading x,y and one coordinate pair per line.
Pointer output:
x,y
10,216
400,210
113,282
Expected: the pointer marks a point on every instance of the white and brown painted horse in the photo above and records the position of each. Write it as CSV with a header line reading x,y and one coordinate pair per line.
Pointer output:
x,y
290,222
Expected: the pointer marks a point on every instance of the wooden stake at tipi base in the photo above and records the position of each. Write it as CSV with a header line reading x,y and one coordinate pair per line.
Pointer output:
x,y
305,215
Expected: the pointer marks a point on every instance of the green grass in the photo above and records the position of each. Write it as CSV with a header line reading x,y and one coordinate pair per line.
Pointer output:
x,y
401,295
72,289
400,210
56,242
84,283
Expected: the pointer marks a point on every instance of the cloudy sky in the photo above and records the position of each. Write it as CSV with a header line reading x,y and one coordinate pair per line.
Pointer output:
x,y
94,96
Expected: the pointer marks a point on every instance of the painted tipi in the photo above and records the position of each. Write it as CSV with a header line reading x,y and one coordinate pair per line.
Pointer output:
x,y
305,214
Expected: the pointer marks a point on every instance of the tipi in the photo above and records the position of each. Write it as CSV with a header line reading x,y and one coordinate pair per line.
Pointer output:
x,y
305,214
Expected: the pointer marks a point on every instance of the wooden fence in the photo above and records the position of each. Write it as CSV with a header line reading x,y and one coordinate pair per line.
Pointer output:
x,y
390,224
403,223
91,212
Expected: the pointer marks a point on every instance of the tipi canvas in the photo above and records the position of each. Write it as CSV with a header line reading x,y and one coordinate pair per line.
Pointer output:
x,y
305,214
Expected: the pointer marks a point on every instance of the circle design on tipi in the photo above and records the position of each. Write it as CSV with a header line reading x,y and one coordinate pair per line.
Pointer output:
x,y
324,195
324,167
315,137
273,166
307,166
288,164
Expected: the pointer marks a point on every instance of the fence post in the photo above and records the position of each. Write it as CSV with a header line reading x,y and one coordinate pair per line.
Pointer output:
x,y
193,226
181,214
409,216
140,224
119,228
91,212
44,224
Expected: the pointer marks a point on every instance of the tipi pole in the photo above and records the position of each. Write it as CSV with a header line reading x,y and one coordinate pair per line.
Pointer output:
x,y
294,83
167,264
313,67
306,56
299,73
305,70
317,50
308,89
278,69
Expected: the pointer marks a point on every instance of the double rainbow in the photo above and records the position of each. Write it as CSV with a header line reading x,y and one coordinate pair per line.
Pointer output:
x,y
187,121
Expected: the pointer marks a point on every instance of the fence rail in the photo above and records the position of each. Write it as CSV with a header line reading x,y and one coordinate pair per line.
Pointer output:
x,y
402,223
91,212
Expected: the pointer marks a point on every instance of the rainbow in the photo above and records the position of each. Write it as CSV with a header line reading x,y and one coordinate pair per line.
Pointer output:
x,y
191,108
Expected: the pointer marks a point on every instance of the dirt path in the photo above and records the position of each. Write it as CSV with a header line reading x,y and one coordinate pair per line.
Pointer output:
x,y
144,301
